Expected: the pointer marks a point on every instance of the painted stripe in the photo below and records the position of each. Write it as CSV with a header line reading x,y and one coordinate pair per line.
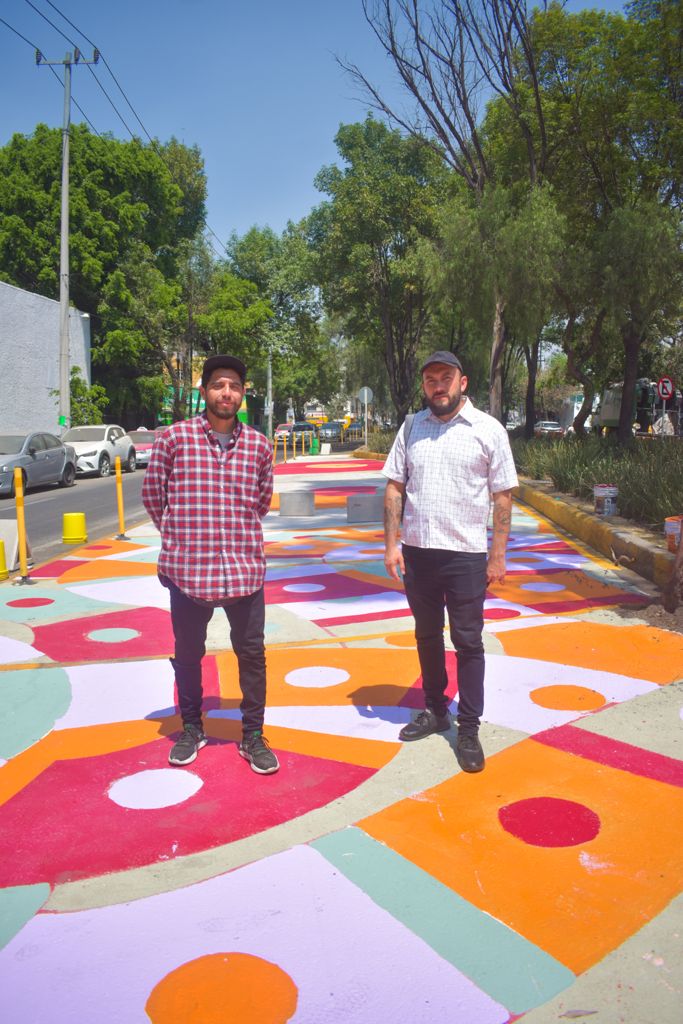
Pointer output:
x,y
613,753
506,966
343,620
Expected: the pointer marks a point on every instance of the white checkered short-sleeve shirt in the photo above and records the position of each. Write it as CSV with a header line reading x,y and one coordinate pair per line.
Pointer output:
x,y
450,471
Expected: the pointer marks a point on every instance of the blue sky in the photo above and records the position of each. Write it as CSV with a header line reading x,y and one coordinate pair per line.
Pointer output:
x,y
254,85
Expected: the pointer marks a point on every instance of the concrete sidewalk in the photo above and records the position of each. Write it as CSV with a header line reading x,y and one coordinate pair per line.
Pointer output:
x,y
367,880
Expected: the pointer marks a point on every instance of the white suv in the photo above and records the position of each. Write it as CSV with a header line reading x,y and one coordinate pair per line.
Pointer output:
x,y
97,447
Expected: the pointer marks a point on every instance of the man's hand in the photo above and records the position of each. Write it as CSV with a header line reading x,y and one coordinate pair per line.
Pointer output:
x,y
393,561
495,569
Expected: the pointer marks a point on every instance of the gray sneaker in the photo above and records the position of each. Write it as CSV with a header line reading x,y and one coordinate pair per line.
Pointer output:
x,y
185,749
254,748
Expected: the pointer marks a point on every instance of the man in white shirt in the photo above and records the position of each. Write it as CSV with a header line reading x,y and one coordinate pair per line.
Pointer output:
x,y
457,462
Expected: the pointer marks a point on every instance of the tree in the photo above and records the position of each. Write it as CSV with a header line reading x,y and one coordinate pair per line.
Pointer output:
x,y
87,402
365,238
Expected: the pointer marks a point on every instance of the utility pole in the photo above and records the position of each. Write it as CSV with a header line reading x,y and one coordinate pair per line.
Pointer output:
x,y
64,371
269,394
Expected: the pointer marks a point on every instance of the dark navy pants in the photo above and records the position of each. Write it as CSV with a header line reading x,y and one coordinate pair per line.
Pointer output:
x,y
190,619
455,580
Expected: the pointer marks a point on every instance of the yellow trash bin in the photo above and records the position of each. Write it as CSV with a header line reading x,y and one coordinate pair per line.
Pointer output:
x,y
73,529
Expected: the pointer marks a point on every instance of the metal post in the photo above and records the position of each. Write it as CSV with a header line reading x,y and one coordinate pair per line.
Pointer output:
x,y
269,395
64,373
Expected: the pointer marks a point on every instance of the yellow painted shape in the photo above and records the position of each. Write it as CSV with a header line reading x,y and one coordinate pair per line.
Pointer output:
x,y
98,570
224,988
642,652
376,676
344,749
577,587
578,903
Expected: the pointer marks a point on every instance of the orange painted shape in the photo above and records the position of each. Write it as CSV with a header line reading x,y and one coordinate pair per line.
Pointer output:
x,y
578,903
642,652
376,676
577,587
108,547
222,988
401,639
567,698
98,570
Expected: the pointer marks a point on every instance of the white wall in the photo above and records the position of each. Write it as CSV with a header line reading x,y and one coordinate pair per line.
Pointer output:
x,y
29,359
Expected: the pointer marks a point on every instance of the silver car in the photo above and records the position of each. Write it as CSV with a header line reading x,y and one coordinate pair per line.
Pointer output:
x,y
42,458
97,447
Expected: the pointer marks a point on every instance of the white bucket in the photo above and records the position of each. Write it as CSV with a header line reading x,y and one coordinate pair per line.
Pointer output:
x,y
605,496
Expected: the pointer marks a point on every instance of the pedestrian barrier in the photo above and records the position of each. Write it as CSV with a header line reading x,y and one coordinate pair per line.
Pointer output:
x,y
73,528
9,536
4,573
21,527
121,535
297,503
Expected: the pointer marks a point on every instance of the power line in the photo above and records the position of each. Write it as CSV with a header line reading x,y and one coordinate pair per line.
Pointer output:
x,y
36,49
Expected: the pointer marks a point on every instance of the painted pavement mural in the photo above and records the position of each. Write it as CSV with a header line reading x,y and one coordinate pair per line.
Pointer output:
x,y
350,886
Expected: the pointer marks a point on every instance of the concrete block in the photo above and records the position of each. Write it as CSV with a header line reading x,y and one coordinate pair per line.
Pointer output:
x,y
10,536
297,503
365,508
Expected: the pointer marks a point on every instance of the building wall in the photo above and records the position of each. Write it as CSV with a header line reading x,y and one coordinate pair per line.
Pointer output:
x,y
29,359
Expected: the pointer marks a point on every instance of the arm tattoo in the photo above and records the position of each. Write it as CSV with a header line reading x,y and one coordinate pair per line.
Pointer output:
x,y
393,506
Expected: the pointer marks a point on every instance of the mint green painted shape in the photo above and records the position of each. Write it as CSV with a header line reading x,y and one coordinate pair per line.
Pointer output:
x,y
113,636
31,700
505,965
18,904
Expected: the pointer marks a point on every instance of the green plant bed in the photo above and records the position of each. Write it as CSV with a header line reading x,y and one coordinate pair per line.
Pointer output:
x,y
648,473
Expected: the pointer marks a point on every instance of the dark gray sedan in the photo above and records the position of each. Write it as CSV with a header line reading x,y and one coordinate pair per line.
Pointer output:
x,y
42,458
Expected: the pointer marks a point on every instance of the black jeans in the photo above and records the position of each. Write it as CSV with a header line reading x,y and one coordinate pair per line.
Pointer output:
x,y
190,619
456,580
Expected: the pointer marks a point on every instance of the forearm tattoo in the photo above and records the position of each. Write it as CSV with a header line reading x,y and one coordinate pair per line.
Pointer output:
x,y
393,507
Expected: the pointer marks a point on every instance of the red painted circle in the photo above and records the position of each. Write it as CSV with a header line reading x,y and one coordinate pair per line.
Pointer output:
x,y
501,613
30,602
549,821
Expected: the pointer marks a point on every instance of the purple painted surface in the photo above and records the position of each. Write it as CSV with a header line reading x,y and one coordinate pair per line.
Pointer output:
x,y
351,961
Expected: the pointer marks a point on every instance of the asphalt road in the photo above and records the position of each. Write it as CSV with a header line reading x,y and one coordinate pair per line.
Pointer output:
x,y
45,506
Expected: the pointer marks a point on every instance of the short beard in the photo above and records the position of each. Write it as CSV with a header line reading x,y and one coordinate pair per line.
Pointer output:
x,y
448,408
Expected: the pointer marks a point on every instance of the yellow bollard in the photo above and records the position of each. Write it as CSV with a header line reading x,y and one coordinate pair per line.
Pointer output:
x,y
21,523
284,447
3,562
121,535
73,528
274,450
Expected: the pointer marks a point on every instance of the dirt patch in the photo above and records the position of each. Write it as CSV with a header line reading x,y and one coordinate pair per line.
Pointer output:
x,y
655,615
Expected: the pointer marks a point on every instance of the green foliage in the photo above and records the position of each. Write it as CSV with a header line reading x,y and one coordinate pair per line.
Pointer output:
x,y
87,403
648,472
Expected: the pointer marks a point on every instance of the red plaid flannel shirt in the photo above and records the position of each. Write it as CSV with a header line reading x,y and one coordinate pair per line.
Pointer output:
x,y
207,504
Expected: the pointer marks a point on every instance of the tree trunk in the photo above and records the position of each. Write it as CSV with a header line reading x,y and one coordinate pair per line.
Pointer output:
x,y
499,335
531,357
632,342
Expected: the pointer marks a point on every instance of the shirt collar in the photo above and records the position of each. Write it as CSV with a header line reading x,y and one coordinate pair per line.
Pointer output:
x,y
209,431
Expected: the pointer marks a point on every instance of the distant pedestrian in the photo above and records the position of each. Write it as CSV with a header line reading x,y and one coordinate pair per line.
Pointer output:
x,y
208,486
457,461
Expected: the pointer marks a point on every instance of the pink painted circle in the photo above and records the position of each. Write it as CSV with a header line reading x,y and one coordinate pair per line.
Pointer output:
x,y
30,602
501,613
549,821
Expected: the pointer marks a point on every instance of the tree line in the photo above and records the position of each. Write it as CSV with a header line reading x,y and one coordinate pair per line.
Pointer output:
x,y
526,191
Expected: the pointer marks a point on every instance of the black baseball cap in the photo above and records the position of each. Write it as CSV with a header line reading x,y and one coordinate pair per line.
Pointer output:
x,y
442,357
223,363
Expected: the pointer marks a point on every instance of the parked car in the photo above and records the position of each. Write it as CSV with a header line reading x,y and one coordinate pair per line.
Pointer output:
x,y
282,430
354,431
333,430
42,458
144,442
97,448
546,428
303,427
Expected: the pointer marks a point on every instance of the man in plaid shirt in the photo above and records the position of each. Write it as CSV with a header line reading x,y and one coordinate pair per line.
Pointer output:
x,y
454,464
207,487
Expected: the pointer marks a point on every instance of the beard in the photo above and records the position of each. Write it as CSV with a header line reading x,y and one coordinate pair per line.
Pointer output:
x,y
224,411
445,406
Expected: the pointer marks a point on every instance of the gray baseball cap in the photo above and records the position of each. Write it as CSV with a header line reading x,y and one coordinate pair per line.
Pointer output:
x,y
442,357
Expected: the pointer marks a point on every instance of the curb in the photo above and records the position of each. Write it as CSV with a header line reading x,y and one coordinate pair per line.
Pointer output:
x,y
621,545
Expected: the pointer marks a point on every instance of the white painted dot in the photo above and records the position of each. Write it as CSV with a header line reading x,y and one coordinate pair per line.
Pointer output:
x,y
303,588
158,787
317,675
542,588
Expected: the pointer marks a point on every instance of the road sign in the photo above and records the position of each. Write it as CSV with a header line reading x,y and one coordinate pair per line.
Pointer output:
x,y
365,395
665,388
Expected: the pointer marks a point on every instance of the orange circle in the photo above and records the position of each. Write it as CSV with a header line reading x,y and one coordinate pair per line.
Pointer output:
x,y
567,698
223,988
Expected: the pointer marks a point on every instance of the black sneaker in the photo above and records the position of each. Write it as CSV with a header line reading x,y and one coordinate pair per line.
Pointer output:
x,y
469,753
254,749
184,750
425,724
